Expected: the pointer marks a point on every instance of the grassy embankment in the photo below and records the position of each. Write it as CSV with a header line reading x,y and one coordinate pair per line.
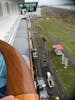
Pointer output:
x,y
65,36
65,21
66,75
54,29
64,17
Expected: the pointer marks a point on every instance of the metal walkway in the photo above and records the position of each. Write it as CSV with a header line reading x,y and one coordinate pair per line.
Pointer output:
x,y
21,39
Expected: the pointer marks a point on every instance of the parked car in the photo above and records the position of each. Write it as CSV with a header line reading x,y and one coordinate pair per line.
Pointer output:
x,y
35,53
51,83
50,80
41,88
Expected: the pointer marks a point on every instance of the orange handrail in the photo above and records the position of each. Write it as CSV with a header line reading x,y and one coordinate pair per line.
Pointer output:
x,y
19,80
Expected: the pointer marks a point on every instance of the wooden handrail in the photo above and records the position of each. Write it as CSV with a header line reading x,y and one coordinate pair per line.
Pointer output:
x,y
28,97
19,80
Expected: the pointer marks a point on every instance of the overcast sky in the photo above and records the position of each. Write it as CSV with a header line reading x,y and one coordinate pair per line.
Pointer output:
x,y
53,2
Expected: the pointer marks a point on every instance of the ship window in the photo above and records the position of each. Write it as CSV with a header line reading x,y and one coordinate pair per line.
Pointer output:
x,y
1,13
8,8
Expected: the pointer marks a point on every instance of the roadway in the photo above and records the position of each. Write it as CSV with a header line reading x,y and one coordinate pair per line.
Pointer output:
x,y
21,40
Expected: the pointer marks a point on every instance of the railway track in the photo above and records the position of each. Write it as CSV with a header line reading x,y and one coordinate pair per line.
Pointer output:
x,y
45,65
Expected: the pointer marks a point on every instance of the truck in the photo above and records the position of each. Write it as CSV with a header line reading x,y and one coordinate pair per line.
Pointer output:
x,y
41,89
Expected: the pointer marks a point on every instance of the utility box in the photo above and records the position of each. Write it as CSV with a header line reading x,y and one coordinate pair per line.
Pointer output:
x,y
58,49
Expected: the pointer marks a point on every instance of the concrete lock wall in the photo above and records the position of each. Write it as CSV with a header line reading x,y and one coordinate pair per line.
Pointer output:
x,y
8,7
9,13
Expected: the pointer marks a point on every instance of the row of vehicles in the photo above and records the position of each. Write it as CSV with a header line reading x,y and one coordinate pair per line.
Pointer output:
x,y
40,81
42,88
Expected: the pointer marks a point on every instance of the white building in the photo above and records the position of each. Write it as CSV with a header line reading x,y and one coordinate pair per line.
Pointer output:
x,y
37,12
8,7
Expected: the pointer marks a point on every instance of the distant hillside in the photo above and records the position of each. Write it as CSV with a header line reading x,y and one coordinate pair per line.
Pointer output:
x,y
57,11
65,16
